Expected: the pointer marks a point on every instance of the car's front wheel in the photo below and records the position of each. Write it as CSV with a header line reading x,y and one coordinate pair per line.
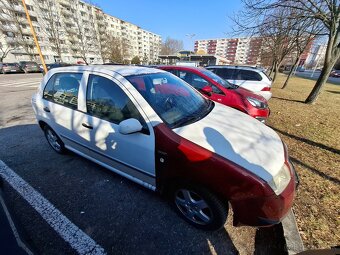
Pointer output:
x,y
54,141
200,207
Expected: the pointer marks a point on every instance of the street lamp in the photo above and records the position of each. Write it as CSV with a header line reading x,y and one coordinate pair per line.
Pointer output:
x,y
191,36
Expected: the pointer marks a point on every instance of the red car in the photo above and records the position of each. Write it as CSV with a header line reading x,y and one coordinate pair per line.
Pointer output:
x,y
221,91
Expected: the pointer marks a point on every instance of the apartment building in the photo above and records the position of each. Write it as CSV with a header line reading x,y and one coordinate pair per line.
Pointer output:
x,y
73,30
242,51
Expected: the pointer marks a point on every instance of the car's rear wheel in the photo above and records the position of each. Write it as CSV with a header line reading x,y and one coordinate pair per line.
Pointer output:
x,y
54,141
200,207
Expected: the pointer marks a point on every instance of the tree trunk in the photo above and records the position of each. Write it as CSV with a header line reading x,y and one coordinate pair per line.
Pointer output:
x,y
271,69
332,55
326,70
276,70
291,72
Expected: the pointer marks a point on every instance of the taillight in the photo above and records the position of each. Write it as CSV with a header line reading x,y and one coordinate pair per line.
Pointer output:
x,y
266,89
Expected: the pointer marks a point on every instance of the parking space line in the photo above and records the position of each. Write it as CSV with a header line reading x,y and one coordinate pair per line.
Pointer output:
x,y
71,234
20,82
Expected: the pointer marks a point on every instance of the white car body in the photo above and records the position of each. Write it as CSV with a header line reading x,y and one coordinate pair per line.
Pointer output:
x,y
224,131
254,85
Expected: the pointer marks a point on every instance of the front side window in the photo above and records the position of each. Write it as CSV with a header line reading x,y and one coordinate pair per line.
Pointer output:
x,y
193,79
175,102
107,101
62,88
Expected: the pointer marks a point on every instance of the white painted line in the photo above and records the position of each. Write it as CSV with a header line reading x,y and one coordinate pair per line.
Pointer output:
x,y
25,85
73,235
2,84
19,85
14,229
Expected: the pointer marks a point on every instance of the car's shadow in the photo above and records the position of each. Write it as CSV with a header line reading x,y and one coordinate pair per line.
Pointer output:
x,y
121,216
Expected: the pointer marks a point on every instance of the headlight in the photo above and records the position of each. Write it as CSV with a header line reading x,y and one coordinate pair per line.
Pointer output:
x,y
256,103
280,180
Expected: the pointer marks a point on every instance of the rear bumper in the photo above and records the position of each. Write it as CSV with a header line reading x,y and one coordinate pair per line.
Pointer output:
x,y
266,211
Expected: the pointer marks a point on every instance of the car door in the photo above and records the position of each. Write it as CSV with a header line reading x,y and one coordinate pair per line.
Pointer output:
x,y
60,106
108,103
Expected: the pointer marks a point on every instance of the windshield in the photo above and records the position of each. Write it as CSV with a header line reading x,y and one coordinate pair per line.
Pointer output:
x,y
173,100
219,80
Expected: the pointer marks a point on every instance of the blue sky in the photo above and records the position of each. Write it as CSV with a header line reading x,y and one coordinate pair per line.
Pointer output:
x,y
174,18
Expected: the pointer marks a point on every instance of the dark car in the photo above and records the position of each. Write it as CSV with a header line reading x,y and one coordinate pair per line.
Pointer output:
x,y
29,66
335,73
10,68
55,65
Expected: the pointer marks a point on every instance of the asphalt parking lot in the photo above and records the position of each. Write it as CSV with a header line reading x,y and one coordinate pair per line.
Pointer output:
x,y
119,216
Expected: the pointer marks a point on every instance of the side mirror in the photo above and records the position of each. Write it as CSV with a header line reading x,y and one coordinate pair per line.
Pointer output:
x,y
207,90
129,126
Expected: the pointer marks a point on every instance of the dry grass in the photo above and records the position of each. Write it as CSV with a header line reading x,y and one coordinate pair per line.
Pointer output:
x,y
312,133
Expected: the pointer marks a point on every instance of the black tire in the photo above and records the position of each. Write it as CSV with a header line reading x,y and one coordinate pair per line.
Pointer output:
x,y
216,211
54,140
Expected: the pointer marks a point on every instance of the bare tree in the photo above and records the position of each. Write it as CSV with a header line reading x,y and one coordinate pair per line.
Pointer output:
x,y
5,48
304,33
50,24
326,13
171,46
15,27
81,33
117,50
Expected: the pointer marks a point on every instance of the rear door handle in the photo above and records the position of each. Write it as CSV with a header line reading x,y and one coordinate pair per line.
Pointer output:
x,y
87,125
46,109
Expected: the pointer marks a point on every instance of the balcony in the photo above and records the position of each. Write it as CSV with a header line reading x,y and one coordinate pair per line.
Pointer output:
x,y
65,3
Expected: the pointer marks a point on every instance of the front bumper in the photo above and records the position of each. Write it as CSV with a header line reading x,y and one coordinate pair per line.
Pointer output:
x,y
266,211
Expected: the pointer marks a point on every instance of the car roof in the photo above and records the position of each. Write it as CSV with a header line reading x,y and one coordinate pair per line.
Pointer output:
x,y
237,67
184,68
120,69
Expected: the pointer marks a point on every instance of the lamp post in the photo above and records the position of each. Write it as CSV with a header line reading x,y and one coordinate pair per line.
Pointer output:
x,y
191,36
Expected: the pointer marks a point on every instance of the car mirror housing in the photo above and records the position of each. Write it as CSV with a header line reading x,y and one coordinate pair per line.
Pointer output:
x,y
207,90
129,126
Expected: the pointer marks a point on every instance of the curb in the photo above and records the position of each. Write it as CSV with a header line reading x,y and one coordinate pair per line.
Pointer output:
x,y
291,234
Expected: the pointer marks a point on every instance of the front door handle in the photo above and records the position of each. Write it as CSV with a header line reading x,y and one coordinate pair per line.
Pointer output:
x,y
46,109
87,125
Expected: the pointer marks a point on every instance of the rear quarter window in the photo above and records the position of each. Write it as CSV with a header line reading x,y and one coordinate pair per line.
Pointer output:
x,y
248,75
225,73
62,88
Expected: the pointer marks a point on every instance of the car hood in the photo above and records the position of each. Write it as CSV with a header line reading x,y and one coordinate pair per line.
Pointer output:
x,y
247,93
238,138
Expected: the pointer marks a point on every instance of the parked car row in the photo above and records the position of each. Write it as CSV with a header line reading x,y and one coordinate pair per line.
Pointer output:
x,y
21,67
154,128
28,67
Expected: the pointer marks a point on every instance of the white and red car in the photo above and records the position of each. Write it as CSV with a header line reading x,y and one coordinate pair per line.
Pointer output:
x,y
151,127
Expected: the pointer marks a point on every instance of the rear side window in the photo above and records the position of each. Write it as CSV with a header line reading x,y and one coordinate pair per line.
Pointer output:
x,y
62,88
248,75
107,101
225,73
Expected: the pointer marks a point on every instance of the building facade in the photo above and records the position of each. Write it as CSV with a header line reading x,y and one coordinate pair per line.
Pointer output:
x,y
239,51
71,31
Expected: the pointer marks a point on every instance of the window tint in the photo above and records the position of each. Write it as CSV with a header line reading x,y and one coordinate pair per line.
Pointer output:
x,y
216,90
193,79
248,75
225,73
106,100
173,72
62,88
